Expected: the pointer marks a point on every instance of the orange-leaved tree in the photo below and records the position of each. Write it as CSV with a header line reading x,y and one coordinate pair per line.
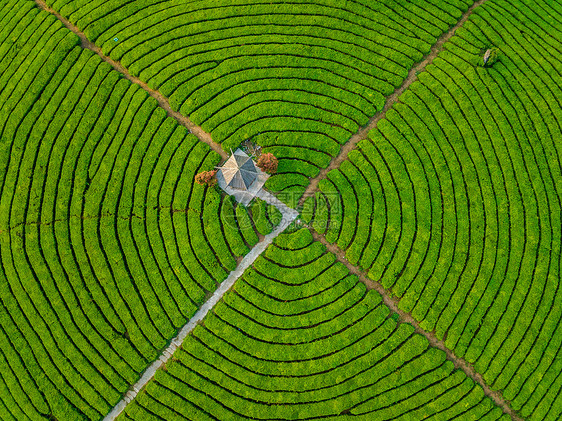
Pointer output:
x,y
206,177
268,163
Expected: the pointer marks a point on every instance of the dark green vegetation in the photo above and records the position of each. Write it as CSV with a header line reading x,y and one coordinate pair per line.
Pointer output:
x,y
297,77
106,245
300,338
454,203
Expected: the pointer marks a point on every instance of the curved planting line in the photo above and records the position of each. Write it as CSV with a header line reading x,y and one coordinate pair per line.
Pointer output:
x,y
472,181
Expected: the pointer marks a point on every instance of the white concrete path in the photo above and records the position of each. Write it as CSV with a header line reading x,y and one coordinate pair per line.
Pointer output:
x,y
270,199
289,215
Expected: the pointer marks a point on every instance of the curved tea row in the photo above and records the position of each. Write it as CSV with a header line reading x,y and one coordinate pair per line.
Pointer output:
x,y
454,202
106,246
297,77
300,338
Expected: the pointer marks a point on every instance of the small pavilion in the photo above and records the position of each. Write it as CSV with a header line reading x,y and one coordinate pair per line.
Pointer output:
x,y
240,177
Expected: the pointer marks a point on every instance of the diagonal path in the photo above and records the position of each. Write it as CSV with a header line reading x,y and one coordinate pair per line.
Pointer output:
x,y
202,135
392,303
289,215
389,103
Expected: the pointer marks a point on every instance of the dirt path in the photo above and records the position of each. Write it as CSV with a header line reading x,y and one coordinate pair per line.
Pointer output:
x,y
392,303
202,135
390,101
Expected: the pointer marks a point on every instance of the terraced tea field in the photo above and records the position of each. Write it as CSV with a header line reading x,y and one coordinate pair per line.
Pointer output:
x,y
421,280
300,338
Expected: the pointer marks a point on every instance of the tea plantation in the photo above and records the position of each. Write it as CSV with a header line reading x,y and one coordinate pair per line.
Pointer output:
x,y
435,294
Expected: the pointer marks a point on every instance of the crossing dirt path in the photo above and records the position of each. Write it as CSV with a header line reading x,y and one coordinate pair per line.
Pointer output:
x,y
389,103
289,215
201,134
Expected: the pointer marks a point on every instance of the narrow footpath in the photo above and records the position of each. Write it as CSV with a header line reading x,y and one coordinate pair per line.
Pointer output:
x,y
392,303
288,216
201,134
